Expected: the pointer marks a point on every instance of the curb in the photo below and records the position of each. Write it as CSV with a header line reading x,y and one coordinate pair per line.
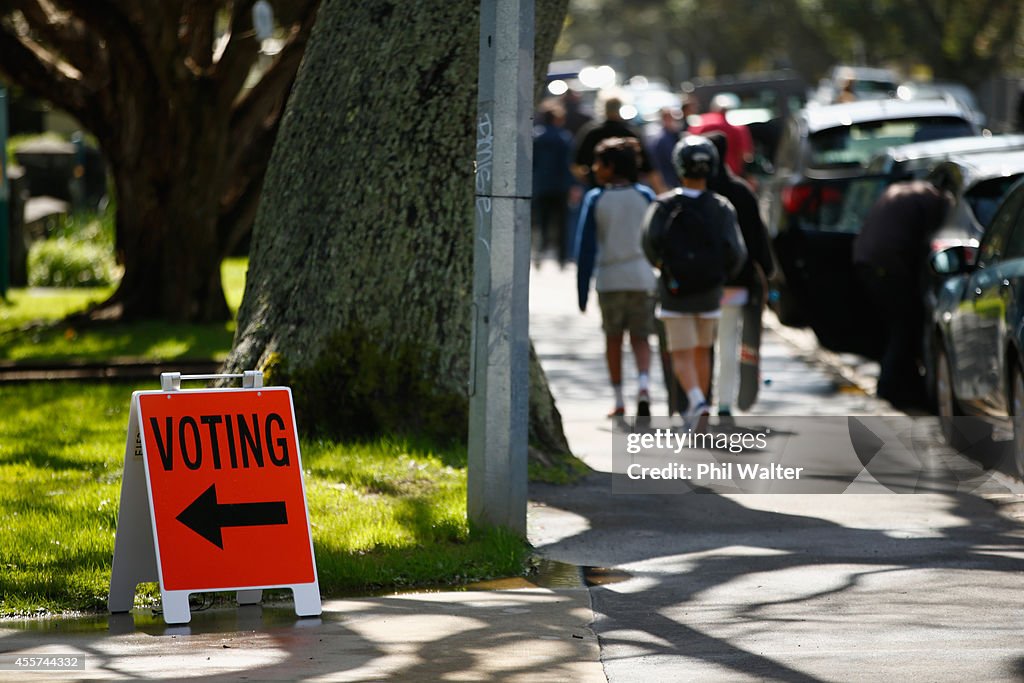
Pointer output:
x,y
116,369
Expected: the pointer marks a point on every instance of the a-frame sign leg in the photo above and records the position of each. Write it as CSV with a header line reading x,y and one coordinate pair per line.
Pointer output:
x,y
307,599
134,551
175,606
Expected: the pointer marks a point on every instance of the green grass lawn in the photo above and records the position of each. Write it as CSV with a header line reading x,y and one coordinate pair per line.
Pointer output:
x,y
30,330
384,514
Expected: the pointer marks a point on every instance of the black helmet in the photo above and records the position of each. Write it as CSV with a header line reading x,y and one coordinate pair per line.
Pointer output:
x,y
695,157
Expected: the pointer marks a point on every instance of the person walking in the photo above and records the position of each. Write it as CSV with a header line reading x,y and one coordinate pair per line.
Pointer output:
x,y
552,183
749,287
660,146
691,235
608,249
888,257
613,126
576,114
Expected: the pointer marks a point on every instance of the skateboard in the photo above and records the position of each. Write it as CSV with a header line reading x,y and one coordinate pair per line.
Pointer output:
x,y
677,399
750,350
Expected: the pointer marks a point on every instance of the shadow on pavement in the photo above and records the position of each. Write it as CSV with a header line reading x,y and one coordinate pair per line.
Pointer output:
x,y
508,635
723,589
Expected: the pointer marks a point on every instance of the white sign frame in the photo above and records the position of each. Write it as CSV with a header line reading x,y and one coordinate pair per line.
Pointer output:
x,y
136,544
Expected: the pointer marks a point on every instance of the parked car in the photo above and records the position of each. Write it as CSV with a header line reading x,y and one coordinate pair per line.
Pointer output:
x,y
817,199
767,99
917,159
868,83
978,183
916,90
979,325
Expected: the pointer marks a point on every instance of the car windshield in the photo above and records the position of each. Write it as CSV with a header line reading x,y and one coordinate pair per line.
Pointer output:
x,y
854,145
984,198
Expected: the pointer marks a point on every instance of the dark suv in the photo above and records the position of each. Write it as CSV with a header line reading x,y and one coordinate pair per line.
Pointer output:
x,y
816,201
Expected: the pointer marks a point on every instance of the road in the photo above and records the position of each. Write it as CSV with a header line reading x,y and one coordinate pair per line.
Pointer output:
x,y
810,586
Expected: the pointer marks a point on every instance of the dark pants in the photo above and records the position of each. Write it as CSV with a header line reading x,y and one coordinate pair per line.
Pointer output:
x,y
895,296
551,223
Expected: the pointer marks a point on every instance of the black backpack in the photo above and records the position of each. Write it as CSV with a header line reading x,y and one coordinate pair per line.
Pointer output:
x,y
693,249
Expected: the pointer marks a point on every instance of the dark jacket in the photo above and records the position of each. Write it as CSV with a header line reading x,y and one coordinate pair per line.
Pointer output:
x,y
655,232
552,161
896,230
748,214
593,133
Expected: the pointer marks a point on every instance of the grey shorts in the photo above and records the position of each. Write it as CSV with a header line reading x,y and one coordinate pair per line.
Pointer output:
x,y
622,311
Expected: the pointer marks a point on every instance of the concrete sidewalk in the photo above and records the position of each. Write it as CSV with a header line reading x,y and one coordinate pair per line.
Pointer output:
x,y
524,635
701,588
776,587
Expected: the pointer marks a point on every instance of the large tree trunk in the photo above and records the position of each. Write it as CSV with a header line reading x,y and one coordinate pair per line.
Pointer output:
x,y
360,271
171,188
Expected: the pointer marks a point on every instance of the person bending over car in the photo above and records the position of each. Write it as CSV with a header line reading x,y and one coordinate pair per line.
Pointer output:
x,y
888,256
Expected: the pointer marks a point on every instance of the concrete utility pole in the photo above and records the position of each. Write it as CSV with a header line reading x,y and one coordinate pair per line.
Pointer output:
x,y
499,375
5,203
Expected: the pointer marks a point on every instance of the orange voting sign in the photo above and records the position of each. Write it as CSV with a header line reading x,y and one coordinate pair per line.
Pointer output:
x,y
223,485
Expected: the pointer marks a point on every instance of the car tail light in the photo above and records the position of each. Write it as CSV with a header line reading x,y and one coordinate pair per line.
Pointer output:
x,y
795,196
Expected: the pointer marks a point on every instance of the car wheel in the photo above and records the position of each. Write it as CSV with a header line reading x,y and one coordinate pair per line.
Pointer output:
x,y
1017,414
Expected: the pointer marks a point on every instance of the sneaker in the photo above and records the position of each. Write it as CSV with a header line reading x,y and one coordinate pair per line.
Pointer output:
x,y
698,410
724,411
619,411
696,417
643,405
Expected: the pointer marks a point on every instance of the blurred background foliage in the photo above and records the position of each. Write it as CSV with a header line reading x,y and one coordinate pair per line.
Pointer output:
x,y
961,40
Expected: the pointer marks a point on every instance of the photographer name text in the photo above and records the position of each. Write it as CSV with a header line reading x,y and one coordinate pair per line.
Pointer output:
x,y
725,471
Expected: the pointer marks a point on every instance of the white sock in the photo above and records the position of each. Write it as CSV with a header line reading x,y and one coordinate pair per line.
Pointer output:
x,y
696,396
643,381
619,400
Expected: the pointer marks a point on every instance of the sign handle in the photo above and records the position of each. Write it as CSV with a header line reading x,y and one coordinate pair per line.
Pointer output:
x,y
171,381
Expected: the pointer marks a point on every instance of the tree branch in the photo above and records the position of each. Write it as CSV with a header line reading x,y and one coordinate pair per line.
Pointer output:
x,y
42,73
122,24
200,19
266,99
232,67
63,33
241,199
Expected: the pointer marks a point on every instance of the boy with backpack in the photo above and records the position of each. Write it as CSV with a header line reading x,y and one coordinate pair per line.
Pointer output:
x,y
692,236
608,248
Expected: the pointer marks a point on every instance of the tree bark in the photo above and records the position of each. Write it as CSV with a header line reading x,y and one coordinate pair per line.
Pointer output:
x,y
360,271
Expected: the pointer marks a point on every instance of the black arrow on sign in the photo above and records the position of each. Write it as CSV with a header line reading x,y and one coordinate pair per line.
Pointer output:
x,y
207,517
